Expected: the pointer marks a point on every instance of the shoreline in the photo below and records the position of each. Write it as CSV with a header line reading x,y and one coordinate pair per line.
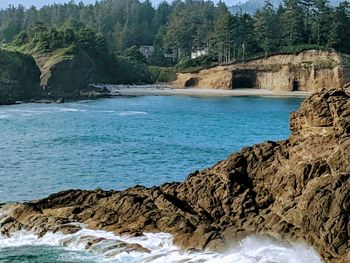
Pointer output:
x,y
161,90
166,90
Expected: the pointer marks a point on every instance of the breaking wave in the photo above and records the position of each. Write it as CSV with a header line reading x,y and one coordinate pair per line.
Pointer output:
x,y
102,246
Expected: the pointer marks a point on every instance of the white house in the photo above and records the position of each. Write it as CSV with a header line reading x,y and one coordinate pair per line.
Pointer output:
x,y
147,51
199,52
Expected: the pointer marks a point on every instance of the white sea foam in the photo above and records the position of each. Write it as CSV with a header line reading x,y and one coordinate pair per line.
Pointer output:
x,y
70,110
105,111
249,250
131,113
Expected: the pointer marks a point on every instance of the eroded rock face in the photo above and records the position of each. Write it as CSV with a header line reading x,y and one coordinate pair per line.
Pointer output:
x,y
65,72
296,189
307,71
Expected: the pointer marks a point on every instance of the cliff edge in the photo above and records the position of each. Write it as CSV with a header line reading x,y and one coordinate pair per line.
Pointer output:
x,y
19,77
297,189
65,72
307,71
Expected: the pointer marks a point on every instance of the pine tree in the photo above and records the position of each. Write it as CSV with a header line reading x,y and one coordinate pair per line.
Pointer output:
x,y
222,36
266,28
321,22
292,20
307,6
339,36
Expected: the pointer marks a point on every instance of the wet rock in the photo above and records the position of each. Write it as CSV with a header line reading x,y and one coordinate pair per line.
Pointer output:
x,y
60,100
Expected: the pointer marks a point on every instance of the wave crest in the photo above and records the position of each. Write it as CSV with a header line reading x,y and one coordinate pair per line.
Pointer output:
x,y
158,248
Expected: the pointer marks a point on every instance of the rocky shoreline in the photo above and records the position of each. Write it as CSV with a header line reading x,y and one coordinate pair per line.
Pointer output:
x,y
292,190
92,93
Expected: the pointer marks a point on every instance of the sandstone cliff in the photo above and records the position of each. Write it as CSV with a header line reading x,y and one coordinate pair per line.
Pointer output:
x,y
297,189
19,77
306,71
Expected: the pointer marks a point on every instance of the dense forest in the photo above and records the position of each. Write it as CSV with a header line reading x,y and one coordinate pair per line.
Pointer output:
x,y
251,6
120,27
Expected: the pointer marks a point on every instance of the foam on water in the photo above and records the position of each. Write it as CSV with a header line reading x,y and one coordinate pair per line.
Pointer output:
x,y
12,112
131,113
252,249
71,110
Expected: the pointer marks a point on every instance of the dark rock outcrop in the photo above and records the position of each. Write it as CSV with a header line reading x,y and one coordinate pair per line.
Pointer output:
x,y
297,189
19,77
65,72
52,77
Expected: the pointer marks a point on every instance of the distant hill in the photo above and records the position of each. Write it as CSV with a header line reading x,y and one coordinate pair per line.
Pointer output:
x,y
251,6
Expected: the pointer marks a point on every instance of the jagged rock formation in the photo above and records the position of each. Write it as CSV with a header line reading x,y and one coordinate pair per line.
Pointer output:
x,y
19,77
297,189
307,71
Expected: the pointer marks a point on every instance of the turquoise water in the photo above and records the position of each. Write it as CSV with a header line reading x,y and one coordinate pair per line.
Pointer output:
x,y
119,143
122,142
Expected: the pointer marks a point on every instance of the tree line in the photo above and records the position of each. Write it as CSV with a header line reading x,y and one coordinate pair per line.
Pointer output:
x,y
121,26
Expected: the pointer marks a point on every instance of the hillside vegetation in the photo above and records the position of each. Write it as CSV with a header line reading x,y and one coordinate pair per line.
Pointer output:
x,y
181,27
72,41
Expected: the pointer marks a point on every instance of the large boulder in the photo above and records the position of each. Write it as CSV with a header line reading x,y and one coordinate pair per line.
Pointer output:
x,y
297,189
19,77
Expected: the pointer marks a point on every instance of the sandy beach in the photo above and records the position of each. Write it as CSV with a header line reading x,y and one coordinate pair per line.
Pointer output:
x,y
159,90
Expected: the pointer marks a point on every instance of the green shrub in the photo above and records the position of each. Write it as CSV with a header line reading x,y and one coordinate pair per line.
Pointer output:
x,y
187,64
161,74
133,53
301,48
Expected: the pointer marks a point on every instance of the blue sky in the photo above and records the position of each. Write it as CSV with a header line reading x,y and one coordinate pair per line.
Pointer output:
x,y
39,3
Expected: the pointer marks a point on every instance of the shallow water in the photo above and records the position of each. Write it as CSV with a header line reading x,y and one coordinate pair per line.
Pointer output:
x,y
119,143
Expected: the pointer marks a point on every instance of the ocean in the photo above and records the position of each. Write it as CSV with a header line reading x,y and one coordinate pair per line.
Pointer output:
x,y
122,142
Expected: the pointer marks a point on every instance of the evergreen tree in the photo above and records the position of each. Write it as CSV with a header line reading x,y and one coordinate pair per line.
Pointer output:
x,y
266,28
321,22
292,20
339,37
307,6
179,27
223,36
